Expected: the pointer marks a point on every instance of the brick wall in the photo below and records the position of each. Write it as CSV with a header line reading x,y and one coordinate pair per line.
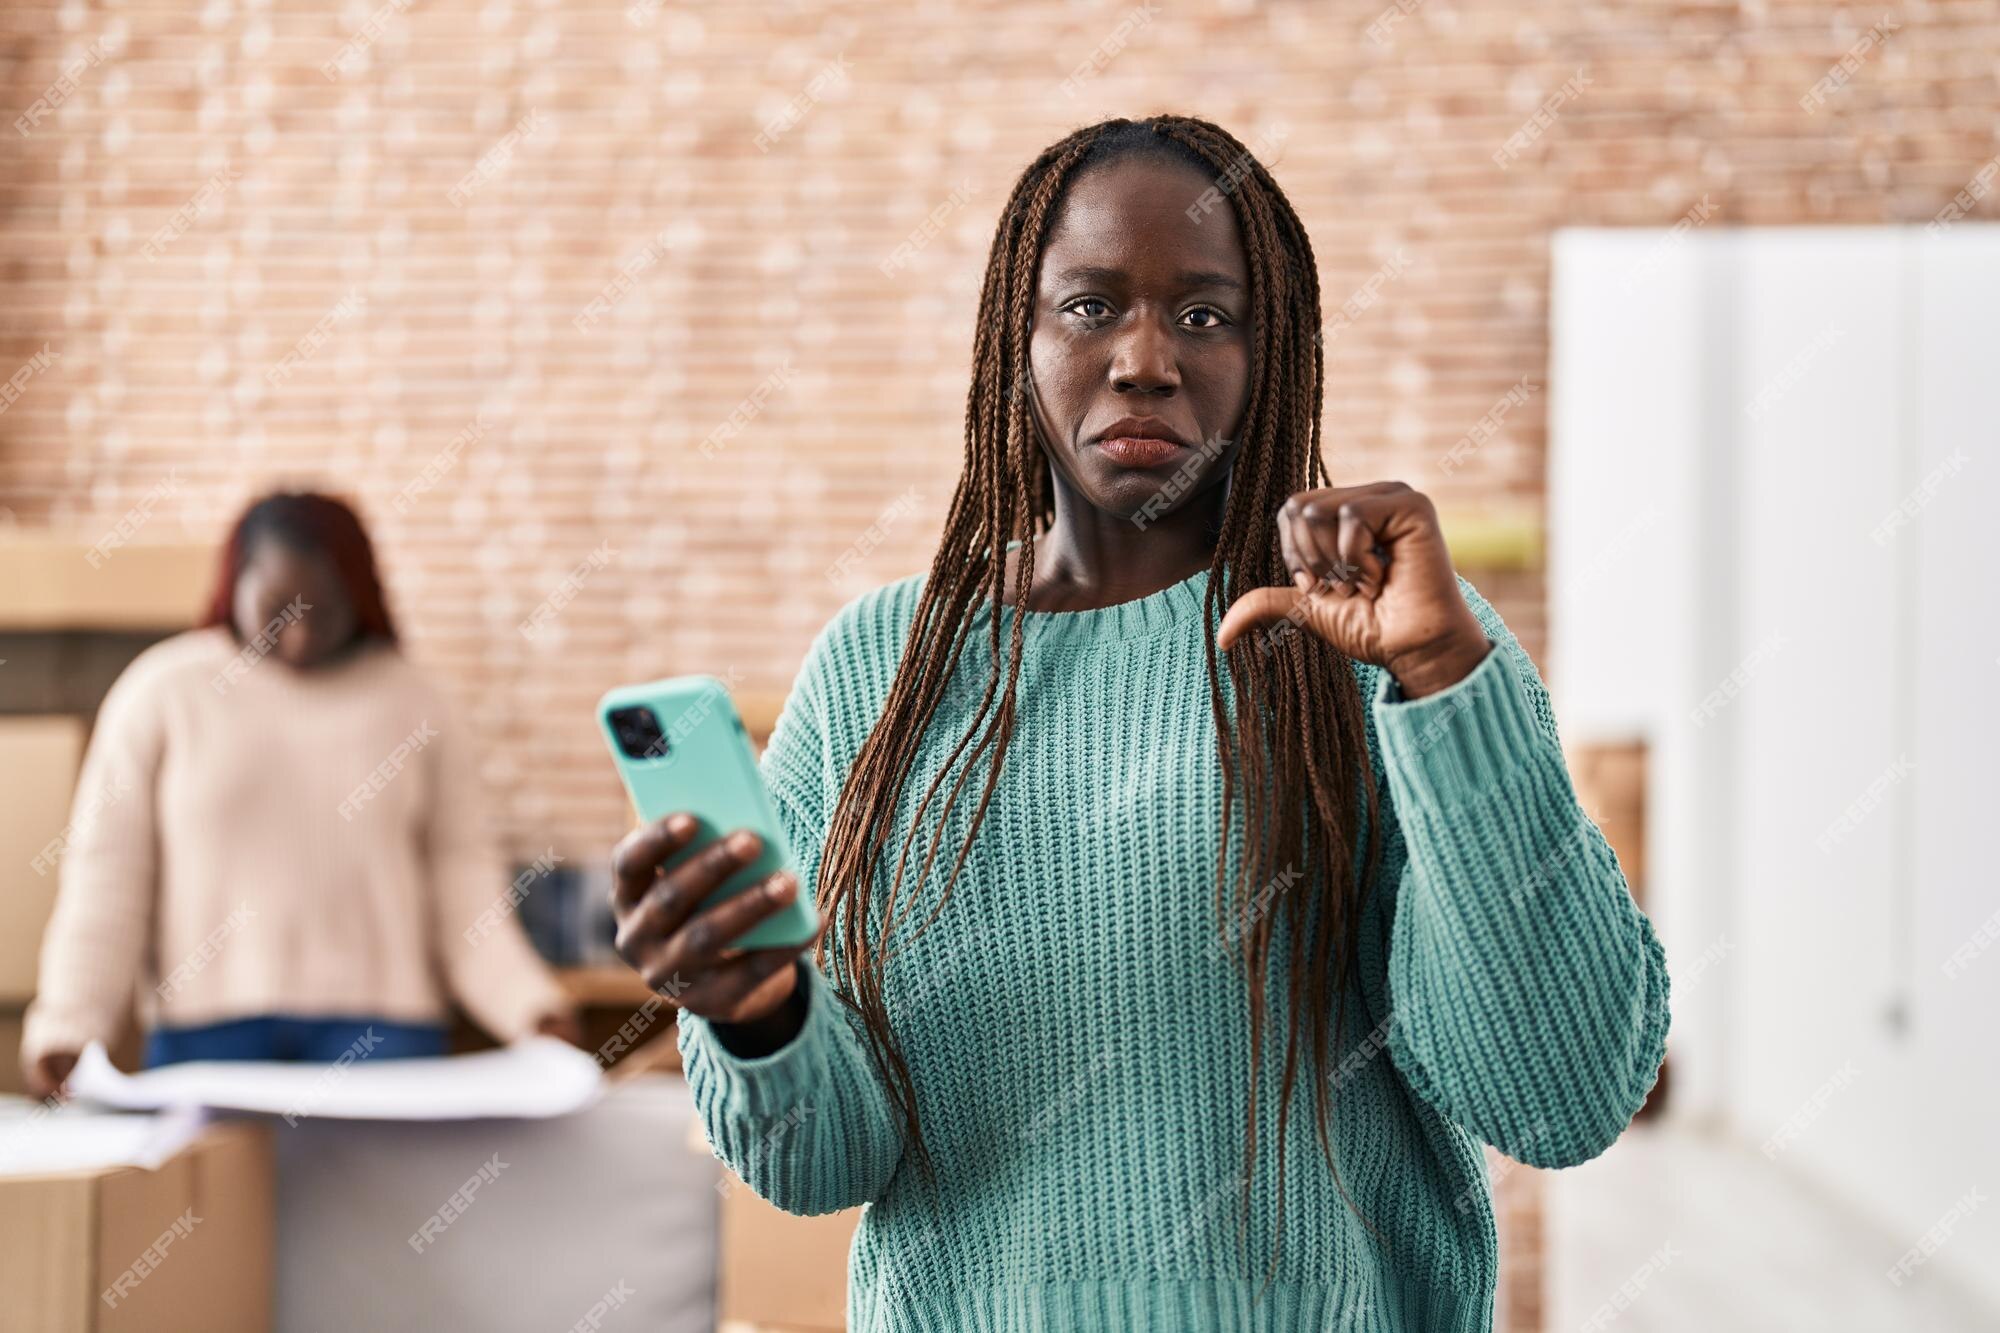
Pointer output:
x,y
258,253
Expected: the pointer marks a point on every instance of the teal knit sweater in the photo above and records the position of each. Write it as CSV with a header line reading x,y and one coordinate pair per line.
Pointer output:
x,y
1079,1038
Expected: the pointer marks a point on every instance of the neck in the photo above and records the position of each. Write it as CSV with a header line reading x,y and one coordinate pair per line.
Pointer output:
x,y
1090,558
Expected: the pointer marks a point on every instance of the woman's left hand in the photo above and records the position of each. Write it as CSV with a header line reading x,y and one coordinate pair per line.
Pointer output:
x,y
1372,577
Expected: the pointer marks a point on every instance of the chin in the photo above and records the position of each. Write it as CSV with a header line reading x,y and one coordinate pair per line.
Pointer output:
x,y
1134,495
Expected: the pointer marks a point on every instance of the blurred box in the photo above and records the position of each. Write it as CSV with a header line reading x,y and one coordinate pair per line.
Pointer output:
x,y
594,1220
39,758
781,1273
777,1272
70,1240
1610,781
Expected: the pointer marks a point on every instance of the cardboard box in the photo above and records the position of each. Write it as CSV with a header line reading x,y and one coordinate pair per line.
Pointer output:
x,y
69,1238
781,1273
39,758
1610,781
777,1272
583,1215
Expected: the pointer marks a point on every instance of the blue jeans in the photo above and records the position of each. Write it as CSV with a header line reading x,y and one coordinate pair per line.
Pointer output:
x,y
277,1037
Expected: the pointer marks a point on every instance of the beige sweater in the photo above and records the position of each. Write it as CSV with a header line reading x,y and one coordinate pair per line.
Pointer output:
x,y
249,839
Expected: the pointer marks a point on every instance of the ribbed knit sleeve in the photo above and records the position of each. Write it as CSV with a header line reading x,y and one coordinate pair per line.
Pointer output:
x,y
100,934
809,1126
496,973
1528,993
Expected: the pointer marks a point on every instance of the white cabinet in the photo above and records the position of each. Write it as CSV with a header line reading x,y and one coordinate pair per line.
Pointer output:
x,y
1774,507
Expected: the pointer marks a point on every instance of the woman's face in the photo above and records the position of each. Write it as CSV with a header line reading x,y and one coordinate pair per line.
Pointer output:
x,y
292,605
1141,329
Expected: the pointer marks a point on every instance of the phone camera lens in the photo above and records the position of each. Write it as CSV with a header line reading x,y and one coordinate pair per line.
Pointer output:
x,y
638,732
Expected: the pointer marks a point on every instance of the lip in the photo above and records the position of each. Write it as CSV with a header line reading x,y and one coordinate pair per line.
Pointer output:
x,y
1141,442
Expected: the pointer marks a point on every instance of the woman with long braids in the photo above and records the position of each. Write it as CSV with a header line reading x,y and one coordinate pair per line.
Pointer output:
x,y
1203,879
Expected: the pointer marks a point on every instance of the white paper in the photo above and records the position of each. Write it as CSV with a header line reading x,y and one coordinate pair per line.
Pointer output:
x,y
39,1140
534,1078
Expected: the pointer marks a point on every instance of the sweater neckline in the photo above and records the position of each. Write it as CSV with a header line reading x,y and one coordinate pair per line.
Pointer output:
x,y
1142,617
358,663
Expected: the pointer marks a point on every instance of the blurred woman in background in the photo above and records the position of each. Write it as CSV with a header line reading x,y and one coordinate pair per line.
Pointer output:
x,y
277,827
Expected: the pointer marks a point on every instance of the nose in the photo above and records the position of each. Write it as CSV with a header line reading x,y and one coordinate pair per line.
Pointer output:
x,y
1144,360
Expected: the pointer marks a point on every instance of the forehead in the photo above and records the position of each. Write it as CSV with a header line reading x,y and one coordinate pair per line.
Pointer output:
x,y
1148,218
274,559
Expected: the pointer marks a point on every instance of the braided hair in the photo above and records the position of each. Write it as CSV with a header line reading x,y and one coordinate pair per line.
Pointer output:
x,y
1299,724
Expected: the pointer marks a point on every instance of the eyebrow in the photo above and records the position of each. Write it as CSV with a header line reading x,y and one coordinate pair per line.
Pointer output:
x,y
1097,273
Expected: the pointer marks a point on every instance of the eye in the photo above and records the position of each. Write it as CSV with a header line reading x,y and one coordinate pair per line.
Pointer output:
x,y
1215,317
1078,307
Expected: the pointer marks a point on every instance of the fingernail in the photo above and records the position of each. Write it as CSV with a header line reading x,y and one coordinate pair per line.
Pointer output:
x,y
680,825
743,842
1302,580
781,885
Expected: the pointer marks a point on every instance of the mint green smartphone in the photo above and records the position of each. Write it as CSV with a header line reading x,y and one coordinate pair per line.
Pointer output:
x,y
679,745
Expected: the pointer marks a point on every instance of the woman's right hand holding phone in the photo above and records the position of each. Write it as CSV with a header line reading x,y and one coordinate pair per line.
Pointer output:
x,y
683,952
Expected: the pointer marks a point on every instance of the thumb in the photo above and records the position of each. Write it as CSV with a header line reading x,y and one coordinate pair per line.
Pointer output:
x,y
1258,607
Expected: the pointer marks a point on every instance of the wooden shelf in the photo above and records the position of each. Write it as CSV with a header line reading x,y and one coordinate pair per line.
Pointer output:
x,y
1492,541
51,584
